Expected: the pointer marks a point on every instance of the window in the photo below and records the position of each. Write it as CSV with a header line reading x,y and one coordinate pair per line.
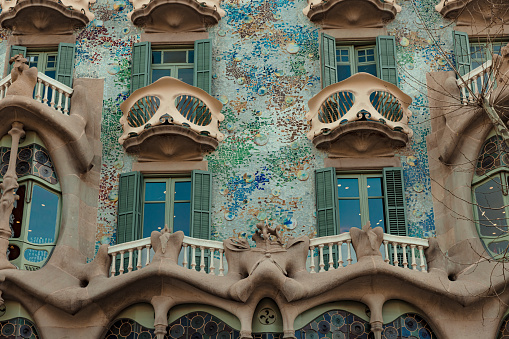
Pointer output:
x,y
144,205
490,196
190,65
342,60
57,64
35,219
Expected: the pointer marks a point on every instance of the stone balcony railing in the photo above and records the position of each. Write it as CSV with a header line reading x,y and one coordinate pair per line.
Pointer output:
x,y
351,13
47,90
480,13
207,256
478,82
170,107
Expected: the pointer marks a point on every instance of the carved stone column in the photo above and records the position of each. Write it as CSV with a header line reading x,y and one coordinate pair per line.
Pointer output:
x,y
8,187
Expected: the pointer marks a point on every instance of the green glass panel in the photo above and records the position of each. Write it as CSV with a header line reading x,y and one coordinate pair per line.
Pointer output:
x,y
186,75
174,57
159,73
491,214
43,216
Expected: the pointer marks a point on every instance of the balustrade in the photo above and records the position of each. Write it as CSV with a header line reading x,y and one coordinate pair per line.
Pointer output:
x,y
477,83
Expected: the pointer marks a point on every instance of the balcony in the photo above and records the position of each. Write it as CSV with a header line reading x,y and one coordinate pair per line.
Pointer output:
x,y
359,116
474,12
351,13
45,16
175,15
170,120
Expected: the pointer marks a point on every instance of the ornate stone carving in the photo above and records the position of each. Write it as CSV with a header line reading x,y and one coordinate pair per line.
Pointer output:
x,y
367,241
23,77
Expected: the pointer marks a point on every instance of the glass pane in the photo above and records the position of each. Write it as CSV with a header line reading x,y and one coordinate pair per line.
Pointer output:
x,y
52,75
33,60
342,55
16,220
182,217
35,255
182,190
172,57
190,56
371,69
348,187
159,73
43,216
156,57
370,55
375,187
155,191
153,218
361,56
376,213
491,213
498,247
349,215
186,75
344,72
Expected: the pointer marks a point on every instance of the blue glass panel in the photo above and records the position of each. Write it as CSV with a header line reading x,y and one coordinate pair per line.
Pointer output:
x,y
190,56
374,187
52,75
156,57
349,215
376,212
361,56
491,214
155,191
43,216
170,57
348,187
182,217
371,69
344,72
159,73
153,218
182,190
35,255
186,75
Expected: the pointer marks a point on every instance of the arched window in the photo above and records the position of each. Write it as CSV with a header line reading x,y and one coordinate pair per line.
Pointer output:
x,y
35,219
490,195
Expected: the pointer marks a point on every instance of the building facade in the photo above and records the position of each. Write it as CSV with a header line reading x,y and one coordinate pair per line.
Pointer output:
x,y
254,169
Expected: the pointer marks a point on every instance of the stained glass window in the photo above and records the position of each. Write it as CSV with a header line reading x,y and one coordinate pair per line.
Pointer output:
x,y
18,328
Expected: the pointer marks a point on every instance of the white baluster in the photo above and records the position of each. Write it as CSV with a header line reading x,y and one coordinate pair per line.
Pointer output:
x,y
414,263
470,97
193,259
421,254
121,269
395,252
45,97
184,262
475,90
2,92
60,96
66,107
463,94
113,270
53,92
211,264
148,255
340,254
322,265
130,265
138,264
331,257
312,265
38,96
387,257
349,258
202,259
405,262
221,268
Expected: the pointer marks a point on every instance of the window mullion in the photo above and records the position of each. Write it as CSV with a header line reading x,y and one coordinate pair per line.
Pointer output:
x,y
363,196
170,208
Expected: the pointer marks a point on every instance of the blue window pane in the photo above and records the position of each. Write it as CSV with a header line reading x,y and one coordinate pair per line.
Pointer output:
x,y
361,56
174,57
348,187
43,216
491,213
500,247
374,187
186,75
52,75
376,213
35,255
182,217
153,218
344,72
349,215
371,69
190,56
156,57
182,190
155,191
159,73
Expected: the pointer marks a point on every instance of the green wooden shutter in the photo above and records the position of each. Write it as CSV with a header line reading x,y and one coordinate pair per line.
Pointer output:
x,y
328,58
129,226
15,50
386,49
203,64
201,184
462,52
65,63
326,202
141,63
394,198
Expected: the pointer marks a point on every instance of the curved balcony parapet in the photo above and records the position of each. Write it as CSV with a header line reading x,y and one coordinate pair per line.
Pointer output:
x,y
175,15
474,12
45,16
351,13
360,97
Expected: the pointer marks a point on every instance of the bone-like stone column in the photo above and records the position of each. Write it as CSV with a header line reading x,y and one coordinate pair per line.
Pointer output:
x,y
9,185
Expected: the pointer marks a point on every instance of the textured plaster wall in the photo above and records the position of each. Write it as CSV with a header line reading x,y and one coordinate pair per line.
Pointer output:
x,y
265,69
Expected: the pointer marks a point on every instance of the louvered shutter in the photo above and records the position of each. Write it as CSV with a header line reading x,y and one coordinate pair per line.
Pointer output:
x,y
326,202
15,50
65,63
328,60
386,49
129,225
394,198
201,183
203,64
141,62
462,52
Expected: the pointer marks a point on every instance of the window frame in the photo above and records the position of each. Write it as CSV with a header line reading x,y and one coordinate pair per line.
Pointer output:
x,y
43,60
173,67
353,55
488,48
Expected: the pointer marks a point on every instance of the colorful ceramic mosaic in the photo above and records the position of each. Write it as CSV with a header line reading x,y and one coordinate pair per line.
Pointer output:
x,y
18,328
